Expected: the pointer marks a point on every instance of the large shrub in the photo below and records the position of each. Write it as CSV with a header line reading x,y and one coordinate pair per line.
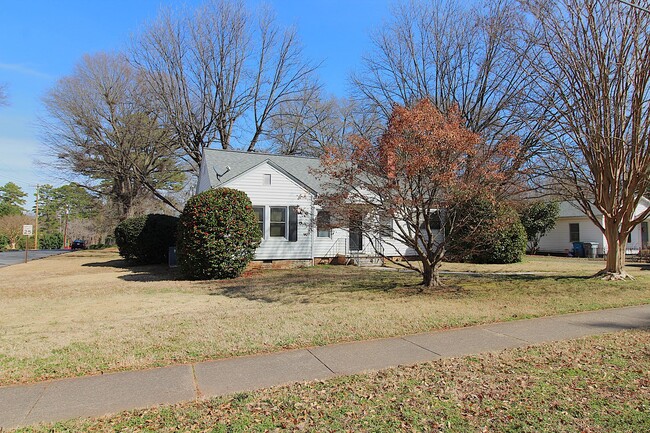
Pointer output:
x,y
487,232
50,241
146,239
217,234
538,218
4,242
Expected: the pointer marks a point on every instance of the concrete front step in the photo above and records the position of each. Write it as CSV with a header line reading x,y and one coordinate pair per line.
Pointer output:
x,y
370,261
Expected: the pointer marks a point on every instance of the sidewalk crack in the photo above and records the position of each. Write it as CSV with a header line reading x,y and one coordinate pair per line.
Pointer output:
x,y
319,360
31,409
507,336
197,390
421,347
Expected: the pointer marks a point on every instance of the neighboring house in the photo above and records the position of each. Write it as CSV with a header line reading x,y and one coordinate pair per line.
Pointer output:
x,y
283,191
574,226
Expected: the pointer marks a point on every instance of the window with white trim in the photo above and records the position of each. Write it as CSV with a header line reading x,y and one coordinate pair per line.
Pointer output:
x,y
385,226
323,228
278,224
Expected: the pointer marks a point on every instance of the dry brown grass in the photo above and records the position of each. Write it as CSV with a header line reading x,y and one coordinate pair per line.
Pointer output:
x,y
86,312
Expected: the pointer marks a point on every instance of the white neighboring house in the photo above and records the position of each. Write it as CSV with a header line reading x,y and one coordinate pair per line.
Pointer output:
x,y
283,190
574,226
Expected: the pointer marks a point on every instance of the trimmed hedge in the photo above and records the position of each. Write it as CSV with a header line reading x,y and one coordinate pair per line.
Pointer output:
x,y
488,233
146,239
217,234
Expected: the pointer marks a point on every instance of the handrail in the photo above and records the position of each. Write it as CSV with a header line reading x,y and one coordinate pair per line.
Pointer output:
x,y
335,247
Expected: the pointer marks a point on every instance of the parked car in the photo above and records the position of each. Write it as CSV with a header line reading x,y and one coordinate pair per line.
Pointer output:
x,y
78,244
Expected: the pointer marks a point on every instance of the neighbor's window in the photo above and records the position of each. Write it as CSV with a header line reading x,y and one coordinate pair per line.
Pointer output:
x,y
629,238
323,228
435,223
386,226
259,213
574,232
278,225
266,180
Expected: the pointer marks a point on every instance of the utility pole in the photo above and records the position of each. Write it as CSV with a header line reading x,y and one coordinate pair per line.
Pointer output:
x,y
65,229
36,228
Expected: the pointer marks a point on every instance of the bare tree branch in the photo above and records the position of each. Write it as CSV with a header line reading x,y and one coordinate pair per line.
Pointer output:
x,y
100,127
220,74
592,60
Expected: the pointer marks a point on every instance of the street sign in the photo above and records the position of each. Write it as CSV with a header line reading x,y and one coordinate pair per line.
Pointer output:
x,y
27,229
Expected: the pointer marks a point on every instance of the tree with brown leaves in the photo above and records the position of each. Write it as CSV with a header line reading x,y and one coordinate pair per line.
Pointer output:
x,y
424,164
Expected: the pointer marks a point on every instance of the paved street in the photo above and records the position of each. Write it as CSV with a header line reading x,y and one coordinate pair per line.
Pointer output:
x,y
14,257
110,393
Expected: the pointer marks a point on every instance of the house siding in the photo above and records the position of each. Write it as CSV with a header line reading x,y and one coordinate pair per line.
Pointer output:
x,y
557,240
282,192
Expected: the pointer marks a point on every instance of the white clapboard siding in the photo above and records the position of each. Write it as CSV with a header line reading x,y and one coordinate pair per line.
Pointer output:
x,y
557,240
284,192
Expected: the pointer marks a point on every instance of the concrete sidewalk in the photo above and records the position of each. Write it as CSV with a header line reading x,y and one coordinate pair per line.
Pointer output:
x,y
100,395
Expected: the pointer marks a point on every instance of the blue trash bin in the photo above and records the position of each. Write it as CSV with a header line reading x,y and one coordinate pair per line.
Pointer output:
x,y
578,249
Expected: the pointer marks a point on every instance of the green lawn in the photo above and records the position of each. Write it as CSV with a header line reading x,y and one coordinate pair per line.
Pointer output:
x,y
86,312
596,384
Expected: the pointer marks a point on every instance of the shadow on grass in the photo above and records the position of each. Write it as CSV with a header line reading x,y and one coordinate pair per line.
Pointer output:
x,y
310,285
517,277
639,266
120,264
323,285
139,273
146,274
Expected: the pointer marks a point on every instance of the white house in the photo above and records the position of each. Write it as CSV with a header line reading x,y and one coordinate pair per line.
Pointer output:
x,y
574,226
283,190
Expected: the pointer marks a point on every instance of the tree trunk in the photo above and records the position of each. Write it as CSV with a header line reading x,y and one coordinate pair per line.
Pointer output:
x,y
615,264
430,276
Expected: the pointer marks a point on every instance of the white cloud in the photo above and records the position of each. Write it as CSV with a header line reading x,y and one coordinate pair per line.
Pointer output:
x,y
25,70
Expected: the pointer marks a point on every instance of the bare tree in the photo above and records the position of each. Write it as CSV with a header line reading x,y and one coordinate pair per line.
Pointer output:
x,y
312,124
104,135
592,58
458,57
294,130
11,226
221,74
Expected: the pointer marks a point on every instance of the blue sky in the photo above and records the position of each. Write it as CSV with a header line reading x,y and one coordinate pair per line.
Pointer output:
x,y
42,40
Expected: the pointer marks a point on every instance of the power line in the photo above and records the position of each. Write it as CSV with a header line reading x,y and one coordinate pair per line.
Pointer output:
x,y
634,5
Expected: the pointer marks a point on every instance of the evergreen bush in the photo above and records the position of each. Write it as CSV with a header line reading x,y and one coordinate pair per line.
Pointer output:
x,y
538,218
146,239
50,241
487,232
218,233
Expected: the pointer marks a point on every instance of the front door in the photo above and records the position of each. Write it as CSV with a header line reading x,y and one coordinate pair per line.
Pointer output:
x,y
644,235
356,232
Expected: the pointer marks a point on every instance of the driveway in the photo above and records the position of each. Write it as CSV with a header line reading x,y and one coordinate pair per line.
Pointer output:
x,y
8,258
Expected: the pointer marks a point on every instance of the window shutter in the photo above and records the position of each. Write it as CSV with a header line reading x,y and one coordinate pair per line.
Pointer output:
x,y
293,224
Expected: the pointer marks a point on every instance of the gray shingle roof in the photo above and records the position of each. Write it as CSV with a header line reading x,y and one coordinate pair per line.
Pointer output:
x,y
297,167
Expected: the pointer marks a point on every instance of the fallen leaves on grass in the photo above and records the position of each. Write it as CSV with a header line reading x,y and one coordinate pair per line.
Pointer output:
x,y
596,384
